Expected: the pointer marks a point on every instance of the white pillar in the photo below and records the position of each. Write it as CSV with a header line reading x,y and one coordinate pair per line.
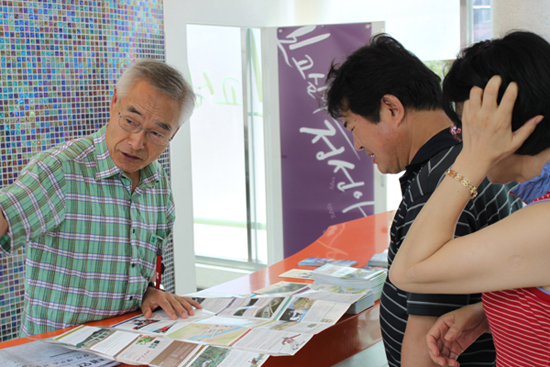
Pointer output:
x,y
180,152
526,15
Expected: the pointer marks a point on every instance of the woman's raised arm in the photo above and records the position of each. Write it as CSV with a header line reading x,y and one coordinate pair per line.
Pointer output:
x,y
512,253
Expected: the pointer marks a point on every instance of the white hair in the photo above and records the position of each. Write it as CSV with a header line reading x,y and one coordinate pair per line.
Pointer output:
x,y
164,78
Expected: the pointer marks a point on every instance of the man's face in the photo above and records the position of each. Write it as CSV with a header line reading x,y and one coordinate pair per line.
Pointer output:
x,y
380,140
144,104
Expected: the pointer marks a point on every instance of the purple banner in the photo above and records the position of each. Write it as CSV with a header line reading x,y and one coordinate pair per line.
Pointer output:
x,y
325,180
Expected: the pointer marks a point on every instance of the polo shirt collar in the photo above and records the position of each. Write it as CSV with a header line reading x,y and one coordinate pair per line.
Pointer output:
x,y
440,141
106,167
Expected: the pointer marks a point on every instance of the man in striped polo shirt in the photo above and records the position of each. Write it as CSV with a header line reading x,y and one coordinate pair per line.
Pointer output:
x,y
392,104
95,211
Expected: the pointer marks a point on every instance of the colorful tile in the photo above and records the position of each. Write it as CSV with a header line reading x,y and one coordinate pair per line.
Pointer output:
x,y
59,62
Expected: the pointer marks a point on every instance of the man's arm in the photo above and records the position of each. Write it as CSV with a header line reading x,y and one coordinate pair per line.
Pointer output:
x,y
414,351
173,305
3,224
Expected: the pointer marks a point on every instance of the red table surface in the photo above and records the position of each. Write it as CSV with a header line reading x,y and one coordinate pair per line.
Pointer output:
x,y
354,240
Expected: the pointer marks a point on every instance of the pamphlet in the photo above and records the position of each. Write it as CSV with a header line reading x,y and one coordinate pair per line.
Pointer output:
x,y
243,330
347,277
129,347
380,259
370,278
296,273
282,288
317,261
43,354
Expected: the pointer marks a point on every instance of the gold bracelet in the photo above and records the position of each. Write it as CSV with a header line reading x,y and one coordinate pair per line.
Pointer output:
x,y
464,181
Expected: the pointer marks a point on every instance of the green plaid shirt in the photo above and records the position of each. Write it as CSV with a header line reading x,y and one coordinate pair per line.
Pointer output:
x,y
91,242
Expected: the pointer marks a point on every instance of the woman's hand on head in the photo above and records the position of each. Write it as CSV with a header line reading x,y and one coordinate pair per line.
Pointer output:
x,y
487,126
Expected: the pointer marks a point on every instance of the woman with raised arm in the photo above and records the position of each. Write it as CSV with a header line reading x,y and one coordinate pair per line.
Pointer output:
x,y
506,138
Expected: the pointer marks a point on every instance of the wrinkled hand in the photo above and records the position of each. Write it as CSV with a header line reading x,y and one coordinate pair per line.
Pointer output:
x,y
487,126
455,331
173,305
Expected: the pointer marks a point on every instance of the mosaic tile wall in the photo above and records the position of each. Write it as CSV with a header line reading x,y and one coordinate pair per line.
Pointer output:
x,y
59,62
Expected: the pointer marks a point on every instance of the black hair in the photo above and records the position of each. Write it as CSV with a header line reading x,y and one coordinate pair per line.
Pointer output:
x,y
522,57
381,67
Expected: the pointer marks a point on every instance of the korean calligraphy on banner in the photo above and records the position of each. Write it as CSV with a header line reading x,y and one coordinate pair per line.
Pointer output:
x,y
325,181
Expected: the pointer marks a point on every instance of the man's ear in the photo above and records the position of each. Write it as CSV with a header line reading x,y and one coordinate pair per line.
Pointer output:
x,y
114,102
392,109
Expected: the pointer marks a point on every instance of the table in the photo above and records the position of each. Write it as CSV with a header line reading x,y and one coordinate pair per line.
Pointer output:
x,y
354,240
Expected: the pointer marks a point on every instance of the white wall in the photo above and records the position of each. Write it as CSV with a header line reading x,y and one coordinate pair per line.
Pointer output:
x,y
184,253
532,15
429,28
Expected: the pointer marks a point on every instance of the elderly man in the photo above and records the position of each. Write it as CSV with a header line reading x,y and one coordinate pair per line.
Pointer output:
x,y
94,212
392,103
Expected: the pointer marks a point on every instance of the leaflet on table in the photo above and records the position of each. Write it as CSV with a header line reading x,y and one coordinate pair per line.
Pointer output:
x,y
235,325
317,261
275,325
348,277
254,306
235,332
160,322
380,259
280,342
303,309
272,307
238,324
335,293
294,326
324,292
43,354
129,347
282,287
296,273
216,304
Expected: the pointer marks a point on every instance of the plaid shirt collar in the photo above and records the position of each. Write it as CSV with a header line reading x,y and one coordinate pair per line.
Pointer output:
x,y
149,176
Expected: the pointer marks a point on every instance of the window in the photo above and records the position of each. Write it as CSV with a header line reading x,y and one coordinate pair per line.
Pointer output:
x,y
475,21
227,146
482,20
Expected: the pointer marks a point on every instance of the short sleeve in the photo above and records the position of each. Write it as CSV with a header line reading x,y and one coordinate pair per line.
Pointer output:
x,y
439,304
170,218
435,304
35,203
170,213
491,205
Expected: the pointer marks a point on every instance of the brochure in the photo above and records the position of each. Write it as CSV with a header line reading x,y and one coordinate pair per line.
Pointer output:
x,y
241,330
317,261
297,273
367,277
282,288
348,277
380,259
129,347
43,354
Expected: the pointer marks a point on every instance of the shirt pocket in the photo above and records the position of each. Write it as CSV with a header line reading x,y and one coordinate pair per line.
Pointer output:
x,y
151,247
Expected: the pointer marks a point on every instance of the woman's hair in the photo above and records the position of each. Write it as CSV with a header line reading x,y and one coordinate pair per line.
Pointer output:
x,y
164,78
521,57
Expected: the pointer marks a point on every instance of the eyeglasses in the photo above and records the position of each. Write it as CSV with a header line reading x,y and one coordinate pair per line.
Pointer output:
x,y
132,126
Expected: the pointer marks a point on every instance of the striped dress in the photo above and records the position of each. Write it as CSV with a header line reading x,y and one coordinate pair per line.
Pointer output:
x,y
520,318
520,324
